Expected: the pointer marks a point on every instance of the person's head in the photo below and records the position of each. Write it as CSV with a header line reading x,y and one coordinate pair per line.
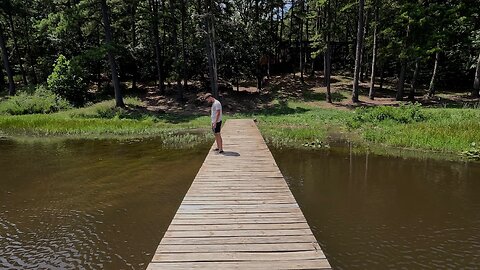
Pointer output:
x,y
209,98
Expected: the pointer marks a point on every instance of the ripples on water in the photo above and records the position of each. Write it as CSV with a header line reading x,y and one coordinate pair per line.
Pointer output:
x,y
106,204
61,239
88,204
374,212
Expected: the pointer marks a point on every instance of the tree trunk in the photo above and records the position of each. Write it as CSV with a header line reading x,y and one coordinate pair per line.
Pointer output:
x,y
281,21
301,42
30,53
328,72
184,50
358,51
292,15
411,96
362,54
433,81
175,48
212,56
111,57
371,93
476,81
291,23
2,80
328,54
6,64
382,77
17,51
156,40
403,68
401,80
134,43
308,56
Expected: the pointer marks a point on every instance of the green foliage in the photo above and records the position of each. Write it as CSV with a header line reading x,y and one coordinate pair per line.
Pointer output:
x,y
108,110
402,115
67,81
41,101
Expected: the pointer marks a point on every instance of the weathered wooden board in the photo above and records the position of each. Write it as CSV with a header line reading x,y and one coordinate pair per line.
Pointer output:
x,y
239,214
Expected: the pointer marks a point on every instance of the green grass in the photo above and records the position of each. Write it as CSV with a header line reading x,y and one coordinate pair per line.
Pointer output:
x,y
103,120
447,130
296,124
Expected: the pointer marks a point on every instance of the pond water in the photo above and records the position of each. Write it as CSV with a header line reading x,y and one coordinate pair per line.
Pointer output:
x,y
377,212
97,204
89,204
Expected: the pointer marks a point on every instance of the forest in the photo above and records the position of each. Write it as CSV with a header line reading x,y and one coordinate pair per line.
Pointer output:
x,y
378,72
84,50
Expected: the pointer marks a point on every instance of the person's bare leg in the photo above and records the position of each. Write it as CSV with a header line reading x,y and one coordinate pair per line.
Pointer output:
x,y
218,139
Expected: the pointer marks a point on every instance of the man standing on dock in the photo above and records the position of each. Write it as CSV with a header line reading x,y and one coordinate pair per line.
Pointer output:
x,y
216,115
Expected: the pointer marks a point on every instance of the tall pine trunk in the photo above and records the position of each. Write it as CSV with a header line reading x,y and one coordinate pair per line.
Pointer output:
x,y
363,57
403,68
292,15
156,41
301,42
184,50
328,55
433,81
308,55
358,57
401,80
17,50
211,52
411,95
476,81
174,37
111,57
6,64
29,50
133,33
371,93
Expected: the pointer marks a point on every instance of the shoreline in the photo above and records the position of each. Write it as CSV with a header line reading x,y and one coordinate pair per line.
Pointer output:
x,y
444,132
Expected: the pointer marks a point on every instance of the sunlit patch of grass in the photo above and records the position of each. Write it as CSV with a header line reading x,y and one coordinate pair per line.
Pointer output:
x,y
449,130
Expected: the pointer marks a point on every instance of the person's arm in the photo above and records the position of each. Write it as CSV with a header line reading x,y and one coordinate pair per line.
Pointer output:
x,y
217,116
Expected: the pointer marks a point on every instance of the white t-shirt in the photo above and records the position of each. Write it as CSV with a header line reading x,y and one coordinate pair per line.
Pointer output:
x,y
216,106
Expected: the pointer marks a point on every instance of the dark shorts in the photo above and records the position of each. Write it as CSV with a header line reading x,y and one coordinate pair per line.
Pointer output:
x,y
217,128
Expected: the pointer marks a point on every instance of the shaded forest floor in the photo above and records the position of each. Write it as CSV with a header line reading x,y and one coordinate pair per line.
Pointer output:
x,y
290,88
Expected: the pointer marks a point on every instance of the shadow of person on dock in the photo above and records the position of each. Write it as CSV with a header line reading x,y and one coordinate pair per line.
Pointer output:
x,y
231,154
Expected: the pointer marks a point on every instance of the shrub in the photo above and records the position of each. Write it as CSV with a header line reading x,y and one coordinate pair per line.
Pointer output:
x,y
67,81
41,101
404,114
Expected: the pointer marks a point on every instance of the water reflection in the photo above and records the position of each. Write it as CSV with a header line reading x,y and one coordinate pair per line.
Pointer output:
x,y
374,212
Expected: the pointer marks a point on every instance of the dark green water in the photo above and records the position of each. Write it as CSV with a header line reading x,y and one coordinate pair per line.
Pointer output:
x,y
376,212
89,204
106,204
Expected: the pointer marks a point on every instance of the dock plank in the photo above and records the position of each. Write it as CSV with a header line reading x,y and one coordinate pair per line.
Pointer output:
x,y
239,214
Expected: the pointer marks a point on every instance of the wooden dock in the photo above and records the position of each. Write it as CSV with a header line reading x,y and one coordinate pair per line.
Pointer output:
x,y
239,214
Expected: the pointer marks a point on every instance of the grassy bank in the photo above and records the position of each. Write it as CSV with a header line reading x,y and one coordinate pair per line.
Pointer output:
x,y
411,126
103,120
293,124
